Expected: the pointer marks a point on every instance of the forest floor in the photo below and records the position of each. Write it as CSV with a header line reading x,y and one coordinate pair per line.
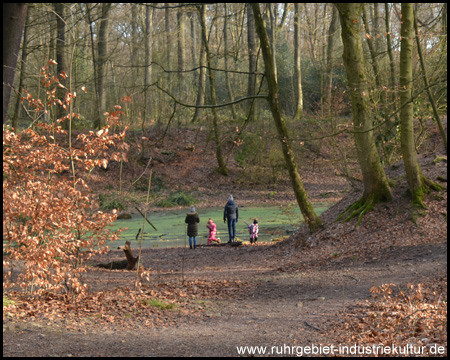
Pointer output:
x,y
302,294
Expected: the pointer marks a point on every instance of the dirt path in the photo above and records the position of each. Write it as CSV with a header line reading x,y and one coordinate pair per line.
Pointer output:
x,y
295,308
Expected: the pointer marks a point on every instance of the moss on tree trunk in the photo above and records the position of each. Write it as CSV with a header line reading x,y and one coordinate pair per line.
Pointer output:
x,y
314,222
376,183
418,184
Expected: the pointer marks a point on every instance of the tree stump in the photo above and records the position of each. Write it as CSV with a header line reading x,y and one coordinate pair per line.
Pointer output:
x,y
129,263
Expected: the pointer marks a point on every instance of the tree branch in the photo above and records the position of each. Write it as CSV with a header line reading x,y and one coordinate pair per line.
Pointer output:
x,y
211,106
190,70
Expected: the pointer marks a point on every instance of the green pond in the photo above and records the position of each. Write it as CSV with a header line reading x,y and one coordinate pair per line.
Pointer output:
x,y
274,222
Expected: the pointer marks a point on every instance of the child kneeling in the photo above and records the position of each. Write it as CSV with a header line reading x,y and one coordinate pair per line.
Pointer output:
x,y
212,232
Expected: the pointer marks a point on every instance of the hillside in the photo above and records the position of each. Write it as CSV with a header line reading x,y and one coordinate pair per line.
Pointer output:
x,y
186,163
323,288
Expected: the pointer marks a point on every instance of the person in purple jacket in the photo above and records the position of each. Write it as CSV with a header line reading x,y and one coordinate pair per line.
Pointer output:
x,y
231,215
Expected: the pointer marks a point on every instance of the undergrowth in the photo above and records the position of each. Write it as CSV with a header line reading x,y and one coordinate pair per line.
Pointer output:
x,y
178,198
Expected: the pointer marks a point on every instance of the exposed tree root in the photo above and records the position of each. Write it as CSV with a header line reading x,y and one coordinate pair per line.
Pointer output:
x,y
419,194
363,206
359,208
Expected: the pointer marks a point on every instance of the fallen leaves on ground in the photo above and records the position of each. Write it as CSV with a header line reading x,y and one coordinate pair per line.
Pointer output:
x,y
151,305
394,317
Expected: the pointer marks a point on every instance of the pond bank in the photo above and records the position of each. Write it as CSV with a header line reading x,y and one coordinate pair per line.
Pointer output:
x,y
274,223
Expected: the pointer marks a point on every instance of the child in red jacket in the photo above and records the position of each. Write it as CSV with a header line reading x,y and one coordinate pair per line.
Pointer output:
x,y
212,232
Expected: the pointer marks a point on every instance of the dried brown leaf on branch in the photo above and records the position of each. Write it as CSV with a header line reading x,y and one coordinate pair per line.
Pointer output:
x,y
50,223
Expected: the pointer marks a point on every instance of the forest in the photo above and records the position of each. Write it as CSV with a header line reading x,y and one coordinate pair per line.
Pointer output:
x,y
325,121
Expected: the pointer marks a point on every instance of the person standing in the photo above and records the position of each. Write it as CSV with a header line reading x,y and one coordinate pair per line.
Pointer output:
x,y
192,219
231,215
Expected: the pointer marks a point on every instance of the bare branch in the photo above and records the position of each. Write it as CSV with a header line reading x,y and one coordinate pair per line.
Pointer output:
x,y
211,106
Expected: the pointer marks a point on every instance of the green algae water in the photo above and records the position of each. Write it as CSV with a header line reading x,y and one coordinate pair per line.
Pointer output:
x,y
274,223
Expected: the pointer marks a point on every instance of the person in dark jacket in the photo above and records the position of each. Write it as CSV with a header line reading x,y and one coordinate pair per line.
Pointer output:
x,y
231,215
192,220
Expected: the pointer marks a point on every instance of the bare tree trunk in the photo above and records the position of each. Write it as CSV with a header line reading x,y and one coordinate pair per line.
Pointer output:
x,y
251,39
201,80
134,37
372,43
333,30
194,53
102,59
97,116
23,67
305,205
148,73
225,44
418,184
372,48
298,91
376,185
219,153
148,61
427,85
168,47
181,27
135,45
273,14
60,55
389,48
13,21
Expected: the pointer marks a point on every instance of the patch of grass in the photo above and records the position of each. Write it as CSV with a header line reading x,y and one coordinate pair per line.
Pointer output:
x,y
280,238
7,301
159,304
178,198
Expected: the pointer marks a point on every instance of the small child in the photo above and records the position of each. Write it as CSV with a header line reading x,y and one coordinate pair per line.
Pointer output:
x,y
253,230
212,232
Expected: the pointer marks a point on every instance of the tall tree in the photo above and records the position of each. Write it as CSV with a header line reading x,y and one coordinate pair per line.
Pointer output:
x,y
297,64
387,22
60,53
23,67
225,55
13,21
332,35
427,85
251,41
168,46
305,205
181,27
418,184
376,185
372,49
201,80
272,33
393,101
222,169
102,58
103,42
148,62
